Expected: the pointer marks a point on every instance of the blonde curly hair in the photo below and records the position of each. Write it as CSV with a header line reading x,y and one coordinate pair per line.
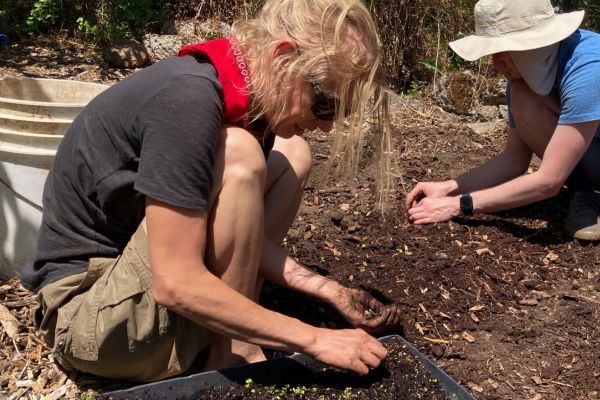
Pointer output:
x,y
338,43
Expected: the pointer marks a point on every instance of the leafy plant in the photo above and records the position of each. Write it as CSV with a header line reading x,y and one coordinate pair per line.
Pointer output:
x,y
43,14
430,65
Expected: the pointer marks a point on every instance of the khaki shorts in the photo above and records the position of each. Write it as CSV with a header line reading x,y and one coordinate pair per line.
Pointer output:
x,y
105,321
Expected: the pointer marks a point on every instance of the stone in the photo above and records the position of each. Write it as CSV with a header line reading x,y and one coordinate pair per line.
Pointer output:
x,y
455,92
127,53
503,111
178,33
486,113
337,216
489,129
492,91
162,46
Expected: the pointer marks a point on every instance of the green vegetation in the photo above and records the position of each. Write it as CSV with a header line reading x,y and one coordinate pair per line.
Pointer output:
x,y
415,33
99,21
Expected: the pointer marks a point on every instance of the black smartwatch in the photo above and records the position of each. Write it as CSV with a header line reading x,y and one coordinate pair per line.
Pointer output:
x,y
466,204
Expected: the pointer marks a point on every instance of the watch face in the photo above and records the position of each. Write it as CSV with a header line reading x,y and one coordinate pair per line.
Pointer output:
x,y
466,204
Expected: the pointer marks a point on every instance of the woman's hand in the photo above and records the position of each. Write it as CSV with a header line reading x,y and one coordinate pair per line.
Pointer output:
x,y
363,311
351,349
430,189
430,210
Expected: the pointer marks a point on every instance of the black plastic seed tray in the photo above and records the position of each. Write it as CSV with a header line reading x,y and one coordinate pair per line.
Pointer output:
x,y
265,373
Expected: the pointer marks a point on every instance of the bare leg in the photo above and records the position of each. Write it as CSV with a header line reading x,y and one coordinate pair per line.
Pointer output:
x,y
288,169
236,224
236,232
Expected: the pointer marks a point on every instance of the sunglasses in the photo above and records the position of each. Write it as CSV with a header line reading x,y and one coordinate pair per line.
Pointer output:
x,y
324,107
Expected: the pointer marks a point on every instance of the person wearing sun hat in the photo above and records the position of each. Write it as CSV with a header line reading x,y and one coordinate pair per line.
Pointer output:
x,y
553,98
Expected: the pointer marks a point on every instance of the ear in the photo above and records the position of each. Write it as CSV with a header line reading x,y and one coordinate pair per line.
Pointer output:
x,y
281,51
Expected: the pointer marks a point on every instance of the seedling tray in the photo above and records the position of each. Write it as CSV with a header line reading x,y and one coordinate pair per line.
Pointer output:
x,y
265,373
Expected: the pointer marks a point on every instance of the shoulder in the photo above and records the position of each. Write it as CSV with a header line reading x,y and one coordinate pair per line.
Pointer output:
x,y
581,46
183,73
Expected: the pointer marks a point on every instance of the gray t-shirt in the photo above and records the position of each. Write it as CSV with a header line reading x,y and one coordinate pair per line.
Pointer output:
x,y
153,134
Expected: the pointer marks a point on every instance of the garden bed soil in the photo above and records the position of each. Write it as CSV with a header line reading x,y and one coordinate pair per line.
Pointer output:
x,y
507,304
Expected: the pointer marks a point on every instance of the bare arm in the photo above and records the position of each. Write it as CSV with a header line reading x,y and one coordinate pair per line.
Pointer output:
x,y
565,149
181,282
356,305
511,162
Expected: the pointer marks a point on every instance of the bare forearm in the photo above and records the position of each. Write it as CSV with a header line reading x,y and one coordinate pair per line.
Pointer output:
x,y
517,192
277,267
495,171
206,300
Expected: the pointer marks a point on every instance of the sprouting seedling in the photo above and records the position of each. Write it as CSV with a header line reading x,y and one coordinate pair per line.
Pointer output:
x,y
370,313
248,383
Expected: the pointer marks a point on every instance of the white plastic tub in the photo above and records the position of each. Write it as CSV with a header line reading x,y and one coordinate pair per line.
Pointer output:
x,y
34,115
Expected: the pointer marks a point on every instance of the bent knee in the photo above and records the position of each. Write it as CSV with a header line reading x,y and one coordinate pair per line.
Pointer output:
x,y
244,159
297,152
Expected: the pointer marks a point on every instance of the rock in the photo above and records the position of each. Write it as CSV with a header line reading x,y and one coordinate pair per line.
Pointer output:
x,y
503,111
169,27
437,350
212,29
486,113
126,53
455,92
530,283
336,217
294,233
490,129
529,302
162,46
492,91
346,222
551,371
178,33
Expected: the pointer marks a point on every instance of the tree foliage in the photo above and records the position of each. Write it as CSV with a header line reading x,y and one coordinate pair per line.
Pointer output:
x,y
415,33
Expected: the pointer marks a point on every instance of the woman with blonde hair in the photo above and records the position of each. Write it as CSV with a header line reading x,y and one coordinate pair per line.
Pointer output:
x,y
172,191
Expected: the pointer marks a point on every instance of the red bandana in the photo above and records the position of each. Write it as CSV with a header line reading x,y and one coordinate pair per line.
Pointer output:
x,y
233,74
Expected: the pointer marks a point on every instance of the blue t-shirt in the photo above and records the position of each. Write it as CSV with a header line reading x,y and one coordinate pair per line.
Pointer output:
x,y
577,79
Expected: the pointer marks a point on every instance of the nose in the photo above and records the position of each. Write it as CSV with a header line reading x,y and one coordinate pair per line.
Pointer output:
x,y
325,126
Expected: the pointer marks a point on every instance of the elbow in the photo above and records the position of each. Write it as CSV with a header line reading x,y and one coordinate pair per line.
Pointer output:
x,y
550,188
165,293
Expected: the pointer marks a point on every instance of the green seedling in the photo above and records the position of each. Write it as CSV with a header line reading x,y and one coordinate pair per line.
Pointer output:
x,y
346,394
370,313
249,383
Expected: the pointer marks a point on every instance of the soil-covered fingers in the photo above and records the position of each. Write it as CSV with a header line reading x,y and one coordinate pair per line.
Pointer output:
x,y
351,349
386,319
359,308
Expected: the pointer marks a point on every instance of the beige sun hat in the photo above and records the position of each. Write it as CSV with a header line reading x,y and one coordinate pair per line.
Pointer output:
x,y
515,25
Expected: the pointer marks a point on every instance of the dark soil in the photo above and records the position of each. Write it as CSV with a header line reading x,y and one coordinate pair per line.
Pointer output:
x,y
507,304
401,377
